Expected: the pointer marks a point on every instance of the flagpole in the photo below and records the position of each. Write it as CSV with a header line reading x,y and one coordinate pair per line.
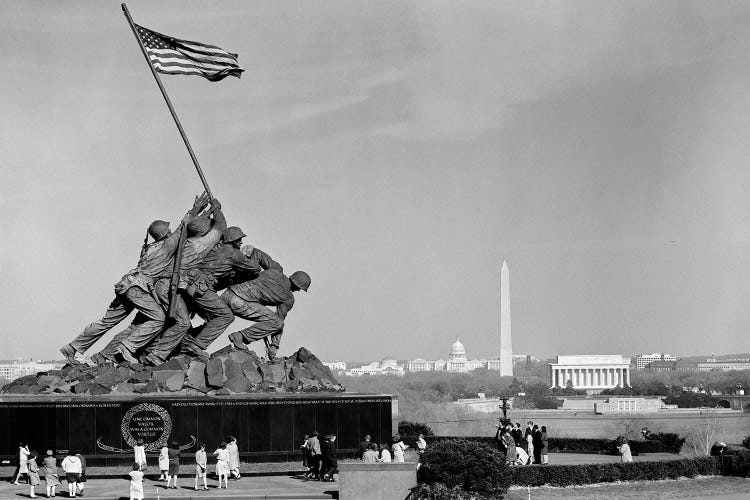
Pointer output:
x,y
169,103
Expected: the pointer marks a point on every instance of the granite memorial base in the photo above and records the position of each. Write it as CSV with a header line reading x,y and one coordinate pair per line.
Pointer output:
x,y
360,481
269,427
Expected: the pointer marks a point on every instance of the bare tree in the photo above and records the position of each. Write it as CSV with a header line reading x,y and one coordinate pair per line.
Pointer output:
x,y
700,437
630,429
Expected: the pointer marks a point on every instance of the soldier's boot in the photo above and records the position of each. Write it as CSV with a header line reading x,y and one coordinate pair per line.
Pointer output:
x,y
192,349
100,359
153,360
70,354
126,354
237,340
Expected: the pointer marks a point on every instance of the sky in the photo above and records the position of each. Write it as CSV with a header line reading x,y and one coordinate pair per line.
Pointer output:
x,y
397,151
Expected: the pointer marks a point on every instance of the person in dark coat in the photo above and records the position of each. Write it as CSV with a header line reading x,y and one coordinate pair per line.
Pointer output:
x,y
545,446
517,435
363,446
536,439
313,445
174,463
330,462
499,441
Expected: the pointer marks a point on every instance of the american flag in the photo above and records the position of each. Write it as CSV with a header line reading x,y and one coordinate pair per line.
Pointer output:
x,y
182,57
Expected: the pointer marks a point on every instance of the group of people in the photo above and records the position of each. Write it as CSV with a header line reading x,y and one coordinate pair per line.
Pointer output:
x,y
370,452
523,446
73,466
227,465
319,457
185,282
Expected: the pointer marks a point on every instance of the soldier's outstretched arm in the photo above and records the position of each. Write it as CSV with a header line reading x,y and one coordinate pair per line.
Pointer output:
x,y
266,262
200,203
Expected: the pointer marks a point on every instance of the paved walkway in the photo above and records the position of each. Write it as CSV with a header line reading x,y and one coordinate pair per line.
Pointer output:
x,y
260,481
261,487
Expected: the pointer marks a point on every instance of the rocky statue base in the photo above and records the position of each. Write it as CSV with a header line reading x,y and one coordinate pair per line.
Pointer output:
x,y
227,371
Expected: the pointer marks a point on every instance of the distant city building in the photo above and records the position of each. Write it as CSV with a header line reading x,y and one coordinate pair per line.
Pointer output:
x,y
457,362
713,364
661,366
11,370
590,372
388,366
643,360
631,405
335,366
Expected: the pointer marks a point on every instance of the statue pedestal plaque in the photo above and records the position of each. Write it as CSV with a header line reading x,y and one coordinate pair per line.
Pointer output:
x,y
269,427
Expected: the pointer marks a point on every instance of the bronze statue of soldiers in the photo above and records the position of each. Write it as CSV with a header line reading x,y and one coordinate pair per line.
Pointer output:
x,y
199,282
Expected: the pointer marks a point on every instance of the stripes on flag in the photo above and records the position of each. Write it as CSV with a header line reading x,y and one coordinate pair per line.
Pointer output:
x,y
182,57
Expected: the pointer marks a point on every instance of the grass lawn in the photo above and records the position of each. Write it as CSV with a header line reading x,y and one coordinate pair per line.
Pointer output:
x,y
730,488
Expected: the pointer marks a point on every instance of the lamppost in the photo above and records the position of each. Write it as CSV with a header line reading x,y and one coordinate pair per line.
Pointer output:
x,y
505,420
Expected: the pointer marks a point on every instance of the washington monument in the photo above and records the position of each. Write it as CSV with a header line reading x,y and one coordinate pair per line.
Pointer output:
x,y
506,347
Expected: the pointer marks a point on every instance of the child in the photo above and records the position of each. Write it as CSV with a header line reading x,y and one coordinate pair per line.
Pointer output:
x,y
200,465
385,454
50,473
140,454
72,467
370,456
174,463
305,453
82,479
164,462
136,483
222,464
33,473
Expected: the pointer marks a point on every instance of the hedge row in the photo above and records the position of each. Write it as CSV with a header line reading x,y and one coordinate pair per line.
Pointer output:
x,y
576,475
579,445
461,468
735,462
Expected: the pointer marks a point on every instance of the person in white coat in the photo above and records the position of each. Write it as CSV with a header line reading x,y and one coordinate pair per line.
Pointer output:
x,y
139,452
164,462
72,466
398,448
234,458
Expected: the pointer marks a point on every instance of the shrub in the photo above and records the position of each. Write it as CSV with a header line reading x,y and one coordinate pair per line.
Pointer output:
x,y
603,446
736,462
470,465
439,491
670,442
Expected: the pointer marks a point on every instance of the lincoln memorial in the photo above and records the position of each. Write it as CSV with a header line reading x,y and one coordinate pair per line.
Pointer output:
x,y
590,372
